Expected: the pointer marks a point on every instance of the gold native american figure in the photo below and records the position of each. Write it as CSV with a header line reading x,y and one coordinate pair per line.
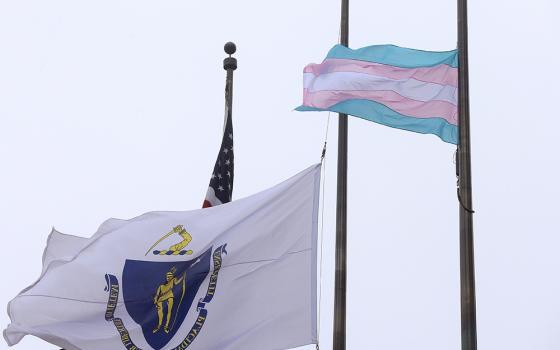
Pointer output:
x,y
164,294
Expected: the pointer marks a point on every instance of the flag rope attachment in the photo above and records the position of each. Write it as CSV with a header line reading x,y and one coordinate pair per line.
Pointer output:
x,y
469,210
324,151
323,177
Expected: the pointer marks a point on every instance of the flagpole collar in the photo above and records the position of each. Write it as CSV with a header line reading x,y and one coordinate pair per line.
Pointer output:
x,y
230,62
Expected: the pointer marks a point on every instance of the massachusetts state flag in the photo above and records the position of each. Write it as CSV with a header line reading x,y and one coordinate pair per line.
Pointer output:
x,y
239,276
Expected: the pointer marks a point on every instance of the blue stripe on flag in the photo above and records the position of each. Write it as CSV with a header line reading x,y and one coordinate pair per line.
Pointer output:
x,y
379,113
396,56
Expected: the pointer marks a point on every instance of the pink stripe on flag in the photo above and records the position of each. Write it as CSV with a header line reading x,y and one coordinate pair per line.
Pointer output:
x,y
398,103
441,74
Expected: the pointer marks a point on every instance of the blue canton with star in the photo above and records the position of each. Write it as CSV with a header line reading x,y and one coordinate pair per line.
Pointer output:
x,y
222,176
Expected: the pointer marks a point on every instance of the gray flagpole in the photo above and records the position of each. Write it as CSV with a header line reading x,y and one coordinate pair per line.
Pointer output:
x,y
339,326
230,64
468,301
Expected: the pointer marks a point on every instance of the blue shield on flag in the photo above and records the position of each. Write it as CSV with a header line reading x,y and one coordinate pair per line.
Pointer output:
x,y
158,295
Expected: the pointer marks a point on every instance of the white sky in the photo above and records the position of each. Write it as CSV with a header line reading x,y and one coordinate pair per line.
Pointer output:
x,y
115,108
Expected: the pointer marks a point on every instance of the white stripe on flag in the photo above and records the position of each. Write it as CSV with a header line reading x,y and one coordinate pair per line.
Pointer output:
x,y
351,81
211,197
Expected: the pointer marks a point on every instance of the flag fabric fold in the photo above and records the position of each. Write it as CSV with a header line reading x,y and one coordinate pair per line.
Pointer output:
x,y
402,88
238,276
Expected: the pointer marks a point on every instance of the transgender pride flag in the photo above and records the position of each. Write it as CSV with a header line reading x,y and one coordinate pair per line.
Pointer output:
x,y
402,88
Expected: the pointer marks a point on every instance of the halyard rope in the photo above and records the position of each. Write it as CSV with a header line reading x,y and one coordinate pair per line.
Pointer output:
x,y
323,177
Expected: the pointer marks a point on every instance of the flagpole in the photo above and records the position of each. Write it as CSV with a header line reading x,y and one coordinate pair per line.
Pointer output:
x,y
468,301
230,64
339,326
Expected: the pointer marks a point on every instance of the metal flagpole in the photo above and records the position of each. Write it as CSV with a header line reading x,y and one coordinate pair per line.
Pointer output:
x,y
230,64
468,302
339,327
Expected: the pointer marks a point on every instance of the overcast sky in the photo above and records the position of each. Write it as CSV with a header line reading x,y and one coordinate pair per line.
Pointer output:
x,y
115,108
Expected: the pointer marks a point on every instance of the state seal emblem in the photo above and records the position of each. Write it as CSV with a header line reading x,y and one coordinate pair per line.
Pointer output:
x,y
158,295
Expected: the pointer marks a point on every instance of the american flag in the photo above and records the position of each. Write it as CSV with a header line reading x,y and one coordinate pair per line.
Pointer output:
x,y
221,181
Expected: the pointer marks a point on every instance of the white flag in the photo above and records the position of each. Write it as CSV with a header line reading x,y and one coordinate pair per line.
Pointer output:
x,y
237,276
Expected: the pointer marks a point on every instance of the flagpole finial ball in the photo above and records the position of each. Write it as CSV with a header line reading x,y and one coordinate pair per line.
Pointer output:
x,y
230,48
230,63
